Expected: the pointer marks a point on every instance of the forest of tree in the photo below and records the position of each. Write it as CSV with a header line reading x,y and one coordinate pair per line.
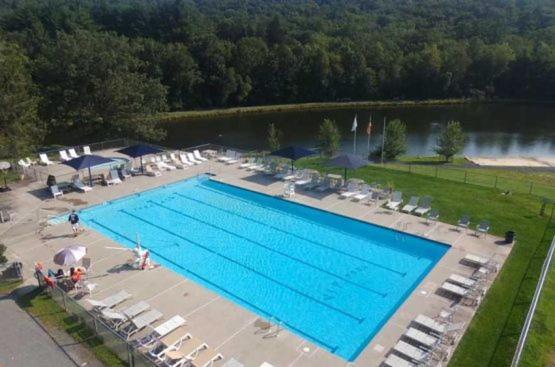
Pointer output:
x,y
102,63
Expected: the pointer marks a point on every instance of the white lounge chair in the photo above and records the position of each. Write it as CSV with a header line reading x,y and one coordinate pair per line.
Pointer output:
x,y
164,343
206,358
413,353
454,289
73,153
476,260
23,163
197,156
113,178
63,156
176,162
305,178
56,191
150,171
29,161
159,162
87,150
424,207
232,155
110,301
395,361
224,158
353,188
395,201
118,318
140,322
461,281
79,185
248,163
430,324
44,159
181,354
184,159
426,340
192,159
161,331
364,192
411,205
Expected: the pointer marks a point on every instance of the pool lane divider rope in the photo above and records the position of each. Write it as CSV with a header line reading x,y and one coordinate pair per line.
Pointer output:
x,y
401,273
331,348
250,202
331,307
368,289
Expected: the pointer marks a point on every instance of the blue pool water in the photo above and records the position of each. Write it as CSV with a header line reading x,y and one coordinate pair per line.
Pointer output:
x,y
328,278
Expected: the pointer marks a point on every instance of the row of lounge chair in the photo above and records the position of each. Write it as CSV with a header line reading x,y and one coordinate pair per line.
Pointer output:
x,y
426,342
415,204
64,157
176,160
482,228
168,344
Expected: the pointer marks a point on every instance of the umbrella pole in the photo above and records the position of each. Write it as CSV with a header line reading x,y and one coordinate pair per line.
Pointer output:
x,y
141,159
90,177
345,175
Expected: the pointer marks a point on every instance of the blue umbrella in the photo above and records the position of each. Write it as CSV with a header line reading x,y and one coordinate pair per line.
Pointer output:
x,y
293,153
87,161
139,150
350,161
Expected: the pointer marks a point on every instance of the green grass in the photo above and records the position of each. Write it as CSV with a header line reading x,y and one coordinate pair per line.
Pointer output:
x,y
492,336
40,305
6,287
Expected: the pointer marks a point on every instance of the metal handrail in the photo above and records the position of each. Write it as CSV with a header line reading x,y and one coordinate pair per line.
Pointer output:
x,y
535,300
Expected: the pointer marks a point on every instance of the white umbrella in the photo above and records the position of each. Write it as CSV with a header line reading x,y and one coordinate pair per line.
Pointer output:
x,y
70,255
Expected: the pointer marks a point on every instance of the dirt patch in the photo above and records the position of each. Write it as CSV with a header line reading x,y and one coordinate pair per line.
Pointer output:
x,y
75,202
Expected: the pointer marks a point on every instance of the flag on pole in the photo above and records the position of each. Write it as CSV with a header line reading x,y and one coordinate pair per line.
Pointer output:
x,y
354,130
369,128
355,124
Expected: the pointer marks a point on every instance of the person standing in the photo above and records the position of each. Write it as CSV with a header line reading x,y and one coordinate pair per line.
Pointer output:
x,y
74,220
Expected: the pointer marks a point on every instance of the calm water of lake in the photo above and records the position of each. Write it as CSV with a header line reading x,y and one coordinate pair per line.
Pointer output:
x,y
493,129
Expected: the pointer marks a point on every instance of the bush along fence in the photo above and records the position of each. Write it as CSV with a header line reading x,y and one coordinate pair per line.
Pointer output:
x,y
475,177
117,344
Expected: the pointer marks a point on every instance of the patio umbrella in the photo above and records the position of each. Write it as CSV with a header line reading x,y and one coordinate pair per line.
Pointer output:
x,y
139,150
87,161
70,255
293,153
350,161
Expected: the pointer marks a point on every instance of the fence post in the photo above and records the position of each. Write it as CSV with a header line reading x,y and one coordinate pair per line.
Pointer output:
x,y
531,187
465,174
495,183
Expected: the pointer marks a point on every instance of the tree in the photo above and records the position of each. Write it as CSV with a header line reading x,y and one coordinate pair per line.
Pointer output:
x,y
274,136
20,127
451,140
395,142
328,138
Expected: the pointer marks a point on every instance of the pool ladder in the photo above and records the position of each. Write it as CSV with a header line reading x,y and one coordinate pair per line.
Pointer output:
x,y
276,326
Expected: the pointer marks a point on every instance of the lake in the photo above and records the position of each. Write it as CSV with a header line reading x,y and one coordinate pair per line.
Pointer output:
x,y
493,129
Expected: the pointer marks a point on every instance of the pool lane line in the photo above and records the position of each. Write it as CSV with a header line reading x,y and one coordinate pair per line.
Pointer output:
x,y
378,244
331,307
268,248
299,237
224,291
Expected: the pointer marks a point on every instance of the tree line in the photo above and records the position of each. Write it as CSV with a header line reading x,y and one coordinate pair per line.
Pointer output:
x,y
95,67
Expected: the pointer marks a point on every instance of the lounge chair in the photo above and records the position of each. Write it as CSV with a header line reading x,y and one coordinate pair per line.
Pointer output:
x,y
464,222
159,161
305,178
283,172
259,165
110,301
117,318
152,172
476,260
6,216
233,157
395,361
248,163
87,150
113,178
482,228
198,157
164,343
395,201
461,281
424,207
73,153
192,159
454,289
140,322
373,198
184,159
44,159
29,161
315,181
433,215
63,156
124,173
430,324
23,163
206,358
161,331
426,340
353,188
79,185
365,191
56,191
411,205
413,353
181,354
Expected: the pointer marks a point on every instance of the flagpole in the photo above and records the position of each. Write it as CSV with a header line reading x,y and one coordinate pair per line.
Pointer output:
x,y
354,129
383,136
369,133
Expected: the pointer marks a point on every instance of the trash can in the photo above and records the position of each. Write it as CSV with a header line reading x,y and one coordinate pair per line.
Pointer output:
x,y
510,237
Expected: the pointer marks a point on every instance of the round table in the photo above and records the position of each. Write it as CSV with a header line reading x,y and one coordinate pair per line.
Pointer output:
x,y
4,166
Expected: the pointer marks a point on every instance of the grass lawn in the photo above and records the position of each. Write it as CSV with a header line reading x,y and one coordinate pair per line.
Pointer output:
x,y
492,336
40,305
9,285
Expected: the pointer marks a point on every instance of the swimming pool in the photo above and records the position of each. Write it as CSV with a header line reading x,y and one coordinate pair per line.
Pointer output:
x,y
328,278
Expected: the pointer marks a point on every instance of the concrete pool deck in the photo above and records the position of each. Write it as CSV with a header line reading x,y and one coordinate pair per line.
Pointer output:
x,y
229,328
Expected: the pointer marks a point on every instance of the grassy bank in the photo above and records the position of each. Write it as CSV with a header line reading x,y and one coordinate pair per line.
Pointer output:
x,y
7,286
40,305
492,336
222,112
